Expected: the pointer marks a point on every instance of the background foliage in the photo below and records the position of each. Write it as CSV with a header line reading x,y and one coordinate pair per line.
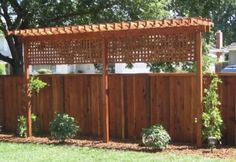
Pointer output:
x,y
2,69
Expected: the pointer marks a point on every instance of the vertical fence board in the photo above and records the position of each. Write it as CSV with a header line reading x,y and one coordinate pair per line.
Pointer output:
x,y
224,106
164,93
115,106
179,110
141,104
172,106
12,98
193,109
129,106
188,125
57,105
95,104
45,104
231,108
84,105
160,101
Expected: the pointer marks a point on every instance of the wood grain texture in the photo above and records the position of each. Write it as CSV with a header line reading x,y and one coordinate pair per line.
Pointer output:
x,y
136,101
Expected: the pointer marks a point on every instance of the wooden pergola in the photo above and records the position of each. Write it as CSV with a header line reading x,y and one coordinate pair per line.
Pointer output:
x,y
170,40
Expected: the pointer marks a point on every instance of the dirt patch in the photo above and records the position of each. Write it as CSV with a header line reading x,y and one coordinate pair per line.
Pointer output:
x,y
224,152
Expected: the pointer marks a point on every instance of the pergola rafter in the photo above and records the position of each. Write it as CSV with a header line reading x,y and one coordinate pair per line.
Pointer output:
x,y
171,40
197,23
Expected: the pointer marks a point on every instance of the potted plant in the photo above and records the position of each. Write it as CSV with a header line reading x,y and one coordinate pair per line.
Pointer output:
x,y
212,120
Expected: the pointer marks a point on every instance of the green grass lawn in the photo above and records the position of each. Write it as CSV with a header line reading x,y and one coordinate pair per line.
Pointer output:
x,y
10,152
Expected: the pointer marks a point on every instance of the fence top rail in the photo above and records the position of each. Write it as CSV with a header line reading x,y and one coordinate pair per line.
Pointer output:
x,y
110,74
127,74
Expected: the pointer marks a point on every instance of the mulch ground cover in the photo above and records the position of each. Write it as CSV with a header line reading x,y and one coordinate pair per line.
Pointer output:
x,y
224,152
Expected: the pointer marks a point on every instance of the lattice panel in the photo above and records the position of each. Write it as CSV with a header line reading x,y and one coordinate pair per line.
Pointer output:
x,y
72,51
145,48
152,48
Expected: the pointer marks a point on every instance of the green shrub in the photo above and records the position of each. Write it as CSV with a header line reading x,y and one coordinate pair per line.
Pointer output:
x,y
155,136
63,127
212,120
21,125
36,84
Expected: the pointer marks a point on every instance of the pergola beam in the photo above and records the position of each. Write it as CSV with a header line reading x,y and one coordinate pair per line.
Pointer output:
x,y
62,35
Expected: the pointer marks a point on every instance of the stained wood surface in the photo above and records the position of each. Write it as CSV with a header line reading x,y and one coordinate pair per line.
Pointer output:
x,y
136,101
180,23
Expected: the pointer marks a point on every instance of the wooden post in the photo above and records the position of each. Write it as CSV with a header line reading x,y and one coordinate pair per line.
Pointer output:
x,y
199,88
105,95
27,93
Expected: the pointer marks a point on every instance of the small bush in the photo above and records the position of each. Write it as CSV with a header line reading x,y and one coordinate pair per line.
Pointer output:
x,y
21,126
36,84
63,127
155,136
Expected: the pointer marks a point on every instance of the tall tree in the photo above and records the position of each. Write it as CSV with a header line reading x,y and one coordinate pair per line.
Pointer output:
x,y
222,12
22,14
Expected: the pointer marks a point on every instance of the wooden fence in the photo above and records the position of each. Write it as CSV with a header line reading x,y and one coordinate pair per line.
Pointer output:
x,y
136,101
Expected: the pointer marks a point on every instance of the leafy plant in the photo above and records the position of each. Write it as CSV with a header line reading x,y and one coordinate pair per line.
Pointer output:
x,y
35,126
162,67
36,84
63,127
21,126
2,69
212,120
98,67
155,136
207,62
129,66
189,66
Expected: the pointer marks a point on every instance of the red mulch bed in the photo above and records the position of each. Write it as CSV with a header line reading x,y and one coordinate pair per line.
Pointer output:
x,y
224,152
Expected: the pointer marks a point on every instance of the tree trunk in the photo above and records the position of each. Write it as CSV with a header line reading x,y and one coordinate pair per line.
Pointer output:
x,y
17,69
15,46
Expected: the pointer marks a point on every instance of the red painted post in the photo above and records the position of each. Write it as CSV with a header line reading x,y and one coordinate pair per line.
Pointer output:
x,y
199,89
27,92
105,95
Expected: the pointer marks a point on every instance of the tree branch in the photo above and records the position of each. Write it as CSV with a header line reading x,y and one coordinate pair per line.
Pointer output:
x,y
16,6
6,59
3,27
11,44
91,10
68,15
17,22
19,12
5,13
